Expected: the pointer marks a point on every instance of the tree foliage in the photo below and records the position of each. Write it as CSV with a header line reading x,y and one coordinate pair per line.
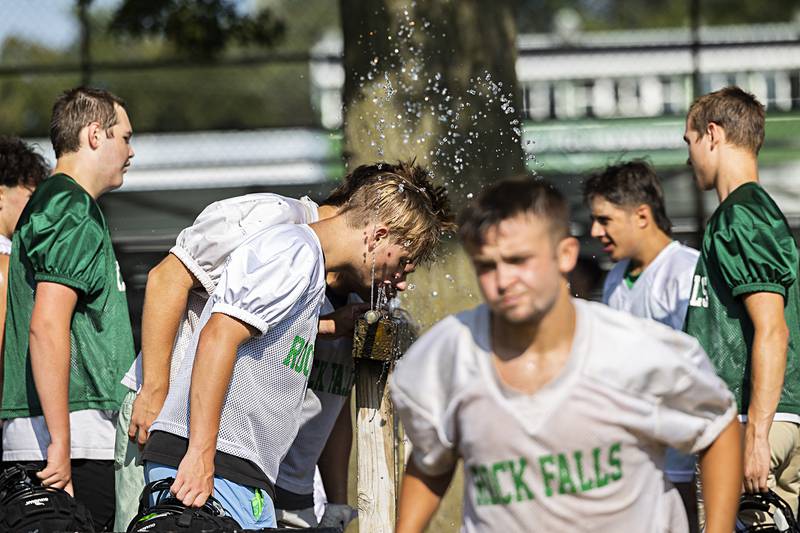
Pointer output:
x,y
200,28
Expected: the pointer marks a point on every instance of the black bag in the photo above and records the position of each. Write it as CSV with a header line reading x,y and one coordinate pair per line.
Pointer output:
x,y
169,514
27,506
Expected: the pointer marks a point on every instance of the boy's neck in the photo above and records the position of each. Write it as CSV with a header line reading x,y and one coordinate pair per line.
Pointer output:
x,y
77,168
649,248
737,167
553,329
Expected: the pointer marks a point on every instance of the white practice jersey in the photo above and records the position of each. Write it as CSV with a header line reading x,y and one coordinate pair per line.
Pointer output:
x,y
585,452
662,290
204,247
332,379
275,282
5,245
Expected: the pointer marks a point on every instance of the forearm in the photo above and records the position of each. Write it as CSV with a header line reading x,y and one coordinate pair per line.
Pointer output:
x,y
211,376
721,474
334,461
50,363
165,300
420,496
768,365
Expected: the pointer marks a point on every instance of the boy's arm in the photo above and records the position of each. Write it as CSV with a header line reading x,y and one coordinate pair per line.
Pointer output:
x,y
768,360
50,362
211,376
165,299
333,462
420,496
721,475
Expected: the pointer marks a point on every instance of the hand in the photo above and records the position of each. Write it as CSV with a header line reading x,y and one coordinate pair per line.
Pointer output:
x,y
756,462
58,472
194,482
341,322
338,515
145,410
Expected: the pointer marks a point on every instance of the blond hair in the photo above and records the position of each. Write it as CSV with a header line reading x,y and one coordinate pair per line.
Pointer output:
x,y
402,197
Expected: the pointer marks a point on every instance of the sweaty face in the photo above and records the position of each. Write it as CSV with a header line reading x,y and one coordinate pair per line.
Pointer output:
x,y
615,227
520,270
116,150
700,159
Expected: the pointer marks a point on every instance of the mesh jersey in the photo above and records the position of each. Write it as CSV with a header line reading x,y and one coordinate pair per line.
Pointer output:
x,y
275,282
332,378
62,237
584,452
204,247
747,247
662,290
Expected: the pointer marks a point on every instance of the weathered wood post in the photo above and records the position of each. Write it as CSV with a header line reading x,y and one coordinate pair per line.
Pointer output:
x,y
377,344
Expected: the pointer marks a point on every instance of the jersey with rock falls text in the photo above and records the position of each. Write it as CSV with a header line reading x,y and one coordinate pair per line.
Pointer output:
x,y
583,453
275,283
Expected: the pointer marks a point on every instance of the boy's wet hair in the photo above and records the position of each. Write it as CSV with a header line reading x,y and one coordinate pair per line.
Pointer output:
x,y
510,198
401,196
629,185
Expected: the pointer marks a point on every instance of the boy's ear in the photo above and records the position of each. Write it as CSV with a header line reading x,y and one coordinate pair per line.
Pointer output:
x,y
376,234
93,133
567,252
643,215
716,134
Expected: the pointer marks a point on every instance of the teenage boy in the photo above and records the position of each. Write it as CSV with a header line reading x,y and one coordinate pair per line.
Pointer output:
x,y
68,335
177,290
745,295
561,409
257,333
653,275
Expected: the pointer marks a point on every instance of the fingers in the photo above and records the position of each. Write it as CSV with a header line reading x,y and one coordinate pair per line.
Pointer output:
x,y
188,495
143,435
51,476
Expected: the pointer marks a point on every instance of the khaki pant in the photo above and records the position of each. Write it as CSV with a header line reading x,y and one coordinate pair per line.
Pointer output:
x,y
784,475
128,470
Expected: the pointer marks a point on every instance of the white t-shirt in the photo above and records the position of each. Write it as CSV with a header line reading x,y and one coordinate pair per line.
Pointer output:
x,y
204,248
275,282
585,452
332,378
5,245
27,438
662,290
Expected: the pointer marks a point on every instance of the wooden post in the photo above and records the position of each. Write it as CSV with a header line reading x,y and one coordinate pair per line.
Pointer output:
x,y
376,345
377,459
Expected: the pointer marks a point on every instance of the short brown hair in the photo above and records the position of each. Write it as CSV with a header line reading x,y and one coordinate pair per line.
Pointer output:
x,y
508,198
630,185
737,112
401,196
77,108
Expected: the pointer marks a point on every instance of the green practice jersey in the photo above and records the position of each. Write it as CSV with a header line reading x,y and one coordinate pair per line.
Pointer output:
x,y
747,247
62,237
